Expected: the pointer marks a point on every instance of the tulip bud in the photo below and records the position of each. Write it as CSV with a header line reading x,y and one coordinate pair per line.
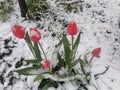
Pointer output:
x,y
96,52
72,28
18,31
45,63
34,34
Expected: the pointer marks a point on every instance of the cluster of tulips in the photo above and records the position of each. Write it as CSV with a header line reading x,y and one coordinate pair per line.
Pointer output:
x,y
33,37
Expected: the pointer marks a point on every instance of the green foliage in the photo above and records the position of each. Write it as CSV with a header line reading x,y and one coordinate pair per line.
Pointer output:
x,y
64,70
67,60
69,53
5,9
46,83
36,8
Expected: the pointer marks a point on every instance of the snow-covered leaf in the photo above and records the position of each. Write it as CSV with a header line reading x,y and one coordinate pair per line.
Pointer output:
x,y
27,70
74,63
38,77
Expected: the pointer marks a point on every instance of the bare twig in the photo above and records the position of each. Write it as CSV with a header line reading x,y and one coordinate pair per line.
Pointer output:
x,y
107,68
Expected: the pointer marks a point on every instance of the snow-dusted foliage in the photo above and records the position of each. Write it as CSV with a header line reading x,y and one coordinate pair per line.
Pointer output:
x,y
5,9
98,22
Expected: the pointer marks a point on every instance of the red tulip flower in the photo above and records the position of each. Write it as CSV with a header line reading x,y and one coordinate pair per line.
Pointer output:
x,y
96,52
34,34
45,63
72,28
18,31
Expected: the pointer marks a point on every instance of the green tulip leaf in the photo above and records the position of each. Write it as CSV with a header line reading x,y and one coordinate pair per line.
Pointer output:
x,y
27,70
75,63
37,51
85,58
59,44
46,83
38,77
27,38
75,46
60,60
82,65
33,61
67,51
29,43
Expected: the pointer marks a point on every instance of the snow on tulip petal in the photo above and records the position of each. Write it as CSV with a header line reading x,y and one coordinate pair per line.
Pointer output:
x,y
96,52
45,63
72,28
18,31
34,34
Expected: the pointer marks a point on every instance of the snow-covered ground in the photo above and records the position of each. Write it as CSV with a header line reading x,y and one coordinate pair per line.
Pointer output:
x,y
100,27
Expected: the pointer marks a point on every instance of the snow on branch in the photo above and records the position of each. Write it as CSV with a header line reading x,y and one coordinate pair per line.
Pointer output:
x,y
71,2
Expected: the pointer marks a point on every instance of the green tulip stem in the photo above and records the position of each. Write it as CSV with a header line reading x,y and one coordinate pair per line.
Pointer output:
x,y
90,60
43,51
72,42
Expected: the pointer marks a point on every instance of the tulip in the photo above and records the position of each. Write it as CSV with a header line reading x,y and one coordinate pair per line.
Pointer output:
x,y
34,34
18,31
45,63
72,28
96,52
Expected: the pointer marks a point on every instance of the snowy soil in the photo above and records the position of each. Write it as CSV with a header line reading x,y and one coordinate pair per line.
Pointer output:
x,y
100,27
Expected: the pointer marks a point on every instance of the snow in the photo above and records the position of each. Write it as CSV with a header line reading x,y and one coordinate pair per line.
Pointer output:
x,y
99,25
1,0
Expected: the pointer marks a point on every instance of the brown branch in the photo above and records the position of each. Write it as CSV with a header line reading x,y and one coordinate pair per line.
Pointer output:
x,y
23,7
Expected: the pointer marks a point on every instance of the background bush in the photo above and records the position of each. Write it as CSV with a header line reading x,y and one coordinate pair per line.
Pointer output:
x,y
5,8
36,8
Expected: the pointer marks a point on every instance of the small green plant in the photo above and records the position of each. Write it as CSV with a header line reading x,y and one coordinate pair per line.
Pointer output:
x,y
36,8
5,9
52,74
